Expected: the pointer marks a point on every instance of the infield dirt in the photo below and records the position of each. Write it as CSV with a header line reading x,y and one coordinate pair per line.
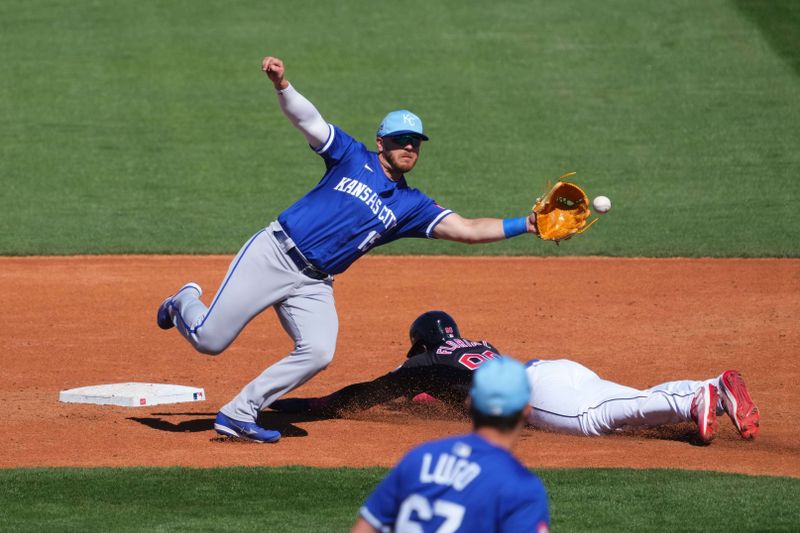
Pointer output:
x,y
75,321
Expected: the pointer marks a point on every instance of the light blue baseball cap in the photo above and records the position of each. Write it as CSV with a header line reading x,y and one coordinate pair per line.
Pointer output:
x,y
401,122
500,387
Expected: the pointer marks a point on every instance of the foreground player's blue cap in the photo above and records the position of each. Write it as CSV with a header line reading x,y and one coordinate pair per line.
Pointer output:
x,y
401,122
500,387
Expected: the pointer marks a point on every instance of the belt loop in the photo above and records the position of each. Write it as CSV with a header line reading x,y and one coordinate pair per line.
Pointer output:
x,y
282,237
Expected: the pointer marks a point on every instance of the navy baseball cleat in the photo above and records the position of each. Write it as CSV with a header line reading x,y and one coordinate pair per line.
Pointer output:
x,y
229,427
164,317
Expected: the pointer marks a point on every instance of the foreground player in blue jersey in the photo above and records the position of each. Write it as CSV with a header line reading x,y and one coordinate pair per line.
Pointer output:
x,y
470,482
362,201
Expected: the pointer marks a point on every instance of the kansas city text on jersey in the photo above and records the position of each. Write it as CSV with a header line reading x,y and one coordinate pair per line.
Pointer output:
x,y
364,193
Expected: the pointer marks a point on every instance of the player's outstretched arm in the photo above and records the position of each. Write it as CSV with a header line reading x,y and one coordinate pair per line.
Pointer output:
x,y
477,230
300,112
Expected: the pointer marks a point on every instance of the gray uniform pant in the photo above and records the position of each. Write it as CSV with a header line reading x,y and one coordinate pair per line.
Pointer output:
x,y
568,397
262,275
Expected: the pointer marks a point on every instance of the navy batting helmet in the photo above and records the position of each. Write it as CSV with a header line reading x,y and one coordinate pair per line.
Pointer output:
x,y
431,329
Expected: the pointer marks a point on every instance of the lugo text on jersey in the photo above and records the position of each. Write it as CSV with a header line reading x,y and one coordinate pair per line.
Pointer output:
x,y
364,193
449,470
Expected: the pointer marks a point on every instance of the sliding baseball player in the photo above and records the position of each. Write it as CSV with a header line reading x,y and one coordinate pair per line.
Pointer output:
x,y
566,396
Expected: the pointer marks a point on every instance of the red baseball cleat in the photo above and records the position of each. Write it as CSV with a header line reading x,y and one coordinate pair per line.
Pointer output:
x,y
738,404
704,411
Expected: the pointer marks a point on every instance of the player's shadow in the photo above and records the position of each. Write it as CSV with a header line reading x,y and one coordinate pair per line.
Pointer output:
x,y
681,432
285,422
185,426
282,422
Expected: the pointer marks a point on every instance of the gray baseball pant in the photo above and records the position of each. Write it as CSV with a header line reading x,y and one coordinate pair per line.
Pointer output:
x,y
261,275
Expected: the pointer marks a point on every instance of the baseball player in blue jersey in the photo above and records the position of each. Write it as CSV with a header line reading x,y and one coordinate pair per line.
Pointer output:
x,y
469,482
362,201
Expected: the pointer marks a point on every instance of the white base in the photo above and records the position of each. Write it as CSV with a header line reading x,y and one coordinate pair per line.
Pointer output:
x,y
133,394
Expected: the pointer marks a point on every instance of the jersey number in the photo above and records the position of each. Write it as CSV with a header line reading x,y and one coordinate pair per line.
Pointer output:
x,y
369,241
474,360
452,513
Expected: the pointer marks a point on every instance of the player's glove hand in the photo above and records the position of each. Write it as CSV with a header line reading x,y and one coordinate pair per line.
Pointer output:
x,y
562,212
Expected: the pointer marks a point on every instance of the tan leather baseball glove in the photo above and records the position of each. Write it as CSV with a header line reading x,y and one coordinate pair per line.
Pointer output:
x,y
562,212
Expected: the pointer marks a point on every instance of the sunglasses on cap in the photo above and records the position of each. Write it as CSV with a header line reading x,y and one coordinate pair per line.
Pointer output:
x,y
405,140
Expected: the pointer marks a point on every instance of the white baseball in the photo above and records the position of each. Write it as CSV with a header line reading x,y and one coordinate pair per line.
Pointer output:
x,y
601,204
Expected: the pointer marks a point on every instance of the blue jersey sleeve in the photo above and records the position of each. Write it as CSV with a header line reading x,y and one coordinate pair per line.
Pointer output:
x,y
527,508
380,508
339,146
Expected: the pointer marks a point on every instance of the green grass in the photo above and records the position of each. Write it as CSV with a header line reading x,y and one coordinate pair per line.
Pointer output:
x,y
148,127
305,499
778,22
